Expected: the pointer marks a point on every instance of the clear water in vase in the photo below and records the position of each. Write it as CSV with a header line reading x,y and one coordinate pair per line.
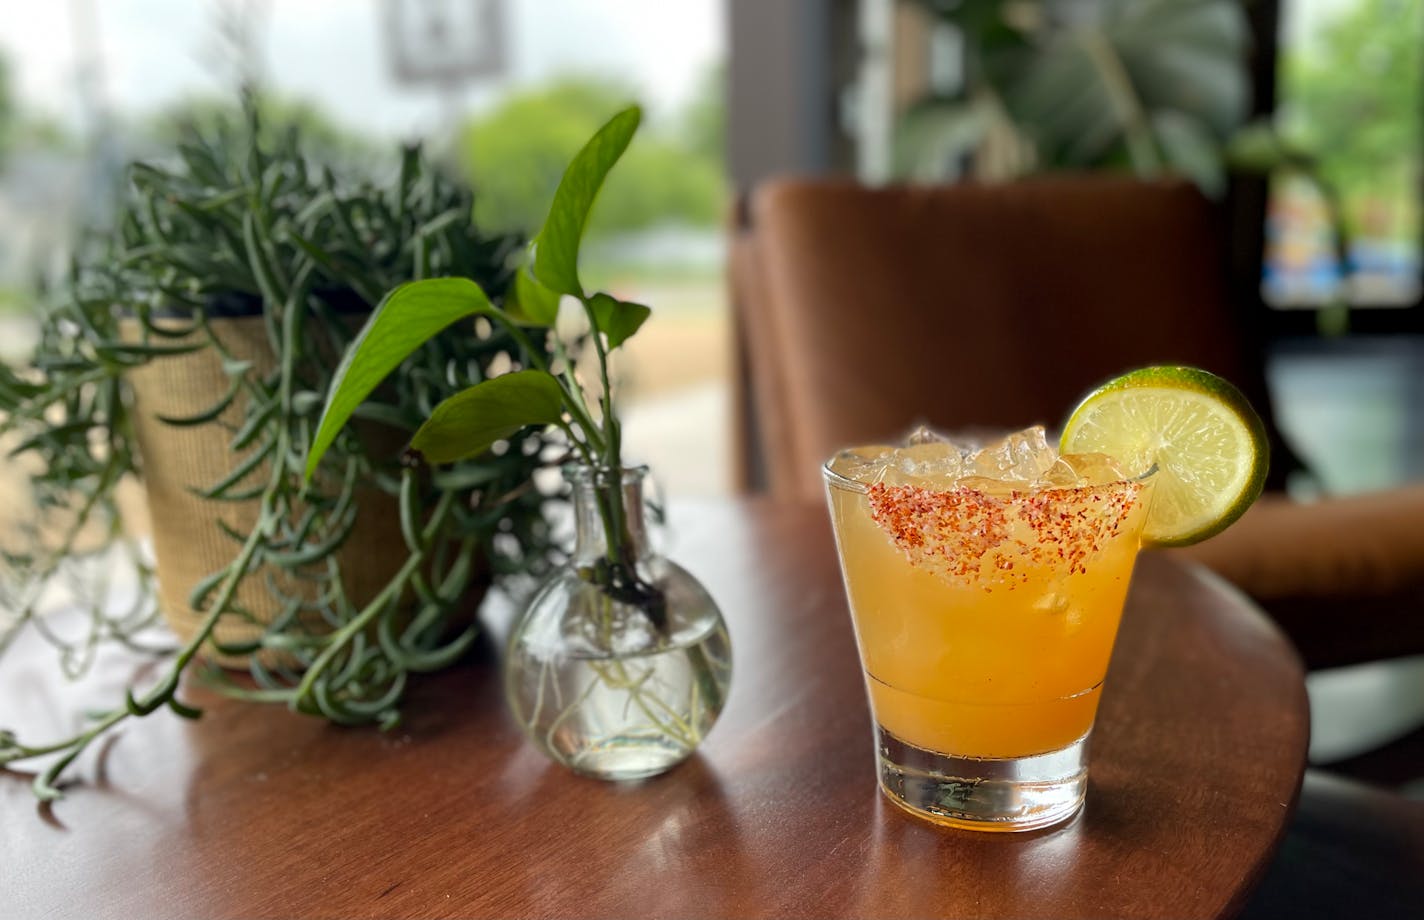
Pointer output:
x,y
623,716
611,683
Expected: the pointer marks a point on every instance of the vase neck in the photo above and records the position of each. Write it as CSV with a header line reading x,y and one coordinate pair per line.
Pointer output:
x,y
608,501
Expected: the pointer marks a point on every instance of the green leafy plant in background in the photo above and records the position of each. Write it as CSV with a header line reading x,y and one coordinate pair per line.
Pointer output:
x,y
545,394
1150,87
234,224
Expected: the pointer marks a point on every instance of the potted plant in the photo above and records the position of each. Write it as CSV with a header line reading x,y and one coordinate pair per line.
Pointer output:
x,y
620,663
191,351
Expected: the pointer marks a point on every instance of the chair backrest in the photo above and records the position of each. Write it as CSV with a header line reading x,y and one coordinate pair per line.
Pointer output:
x,y
861,312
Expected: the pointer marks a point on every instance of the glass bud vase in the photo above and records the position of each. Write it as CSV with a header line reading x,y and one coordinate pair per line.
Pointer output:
x,y
620,663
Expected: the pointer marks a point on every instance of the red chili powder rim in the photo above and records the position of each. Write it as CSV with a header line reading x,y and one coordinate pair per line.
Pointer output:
x,y
969,535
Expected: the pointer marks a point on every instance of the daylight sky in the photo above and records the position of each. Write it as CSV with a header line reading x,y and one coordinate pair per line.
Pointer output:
x,y
330,51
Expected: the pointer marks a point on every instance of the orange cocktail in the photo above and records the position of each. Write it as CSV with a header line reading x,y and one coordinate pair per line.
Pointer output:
x,y
986,589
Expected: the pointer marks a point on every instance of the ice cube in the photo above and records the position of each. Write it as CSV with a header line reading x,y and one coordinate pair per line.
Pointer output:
x,y
1052,602
1076,470
924,435
927,466
939,456
1061,608
1023,456
863,464
989,485
928,461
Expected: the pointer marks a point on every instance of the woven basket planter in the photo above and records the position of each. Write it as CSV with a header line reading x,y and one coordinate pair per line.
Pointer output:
x,y
178,462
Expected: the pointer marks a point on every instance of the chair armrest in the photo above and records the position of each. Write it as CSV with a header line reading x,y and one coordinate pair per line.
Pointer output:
x,y
1343,577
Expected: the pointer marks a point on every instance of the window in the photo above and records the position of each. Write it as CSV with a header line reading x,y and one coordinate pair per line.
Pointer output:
x,y
503,90
1350,93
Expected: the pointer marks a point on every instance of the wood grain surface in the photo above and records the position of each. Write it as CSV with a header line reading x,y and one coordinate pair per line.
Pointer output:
x,y
256,812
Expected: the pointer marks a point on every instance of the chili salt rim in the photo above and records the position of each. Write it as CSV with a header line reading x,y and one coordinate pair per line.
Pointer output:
x,y
841,481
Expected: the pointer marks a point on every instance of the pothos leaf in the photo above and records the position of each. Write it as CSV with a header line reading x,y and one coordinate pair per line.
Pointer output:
x,y
557,245
407,318
531,304
473,419
617,319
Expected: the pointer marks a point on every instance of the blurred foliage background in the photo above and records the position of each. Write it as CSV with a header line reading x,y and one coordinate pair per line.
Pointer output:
x,y
1353,93
1159,87
515,153
1145,85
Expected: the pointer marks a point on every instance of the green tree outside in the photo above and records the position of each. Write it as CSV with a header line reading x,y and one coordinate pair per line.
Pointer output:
x,y
208,116
7,110
1352,95
25,128
515,154
703,123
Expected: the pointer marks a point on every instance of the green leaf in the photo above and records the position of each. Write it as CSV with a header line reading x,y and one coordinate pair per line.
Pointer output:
x,y
138,350
468,476
183,709
1257,148
934,136
406,319
557,245
1191,150
533,304
470,421
617,319
208,414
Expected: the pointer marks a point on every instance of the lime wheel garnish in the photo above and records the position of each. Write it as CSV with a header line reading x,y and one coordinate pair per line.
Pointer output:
x,y
1208,446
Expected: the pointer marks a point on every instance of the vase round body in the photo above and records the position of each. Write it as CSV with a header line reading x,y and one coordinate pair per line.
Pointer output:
x,y
620,663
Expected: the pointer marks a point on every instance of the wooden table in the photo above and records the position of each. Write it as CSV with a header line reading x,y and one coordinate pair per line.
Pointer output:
x,y
255,812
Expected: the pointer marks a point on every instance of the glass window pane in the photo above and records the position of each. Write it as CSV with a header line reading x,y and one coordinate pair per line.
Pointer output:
x,y
502,92
1350,95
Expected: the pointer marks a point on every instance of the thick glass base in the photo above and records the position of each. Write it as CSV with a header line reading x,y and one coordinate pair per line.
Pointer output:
x,y
984,794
